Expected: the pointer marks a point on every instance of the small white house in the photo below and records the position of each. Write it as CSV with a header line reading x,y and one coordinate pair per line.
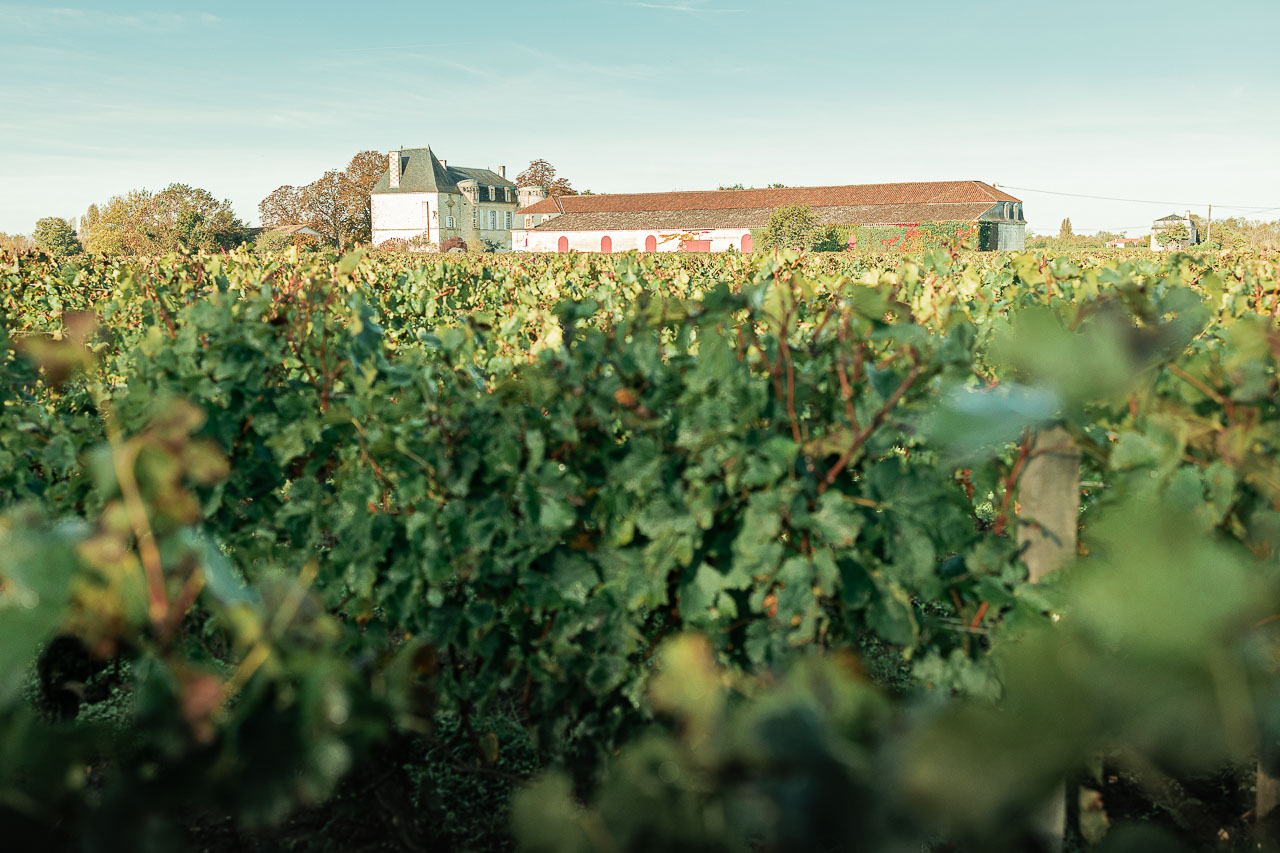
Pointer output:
x,y
1166,224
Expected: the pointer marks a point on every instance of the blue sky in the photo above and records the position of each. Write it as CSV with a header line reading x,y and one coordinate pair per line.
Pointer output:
x,y
1134,99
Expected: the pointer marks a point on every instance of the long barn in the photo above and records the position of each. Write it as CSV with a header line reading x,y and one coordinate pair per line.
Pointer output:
x,y
722,220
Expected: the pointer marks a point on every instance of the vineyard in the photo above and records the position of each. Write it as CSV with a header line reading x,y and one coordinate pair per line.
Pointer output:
x,y
625,553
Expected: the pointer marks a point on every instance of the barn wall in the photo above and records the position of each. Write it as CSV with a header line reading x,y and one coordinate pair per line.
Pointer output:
x,y
1011,236
399,215
722,239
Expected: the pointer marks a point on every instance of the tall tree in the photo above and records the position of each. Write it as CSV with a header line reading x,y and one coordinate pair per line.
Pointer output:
x,y
337,204
540,173
327,204
143,223
283,207
54,235
1064,230
359,179
792,227
1175,235
185,215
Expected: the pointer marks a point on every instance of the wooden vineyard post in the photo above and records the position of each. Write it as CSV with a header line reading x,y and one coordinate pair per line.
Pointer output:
x,y
1268,797
1048,509
1049,502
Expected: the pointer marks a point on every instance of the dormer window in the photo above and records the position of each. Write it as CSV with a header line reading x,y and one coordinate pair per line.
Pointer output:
x,y
528,221
507,191
493,192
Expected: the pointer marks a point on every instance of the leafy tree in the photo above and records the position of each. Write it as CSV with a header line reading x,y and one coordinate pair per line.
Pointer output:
x,y
1174,235
731,187
143,223
1064,231
792,227
55,236
540,173
282,207
826,238
326,202
192,217
337,204
272,241
359,179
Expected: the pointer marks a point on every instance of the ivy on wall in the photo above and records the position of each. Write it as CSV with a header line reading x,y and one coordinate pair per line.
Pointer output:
x,y
921,236
908,237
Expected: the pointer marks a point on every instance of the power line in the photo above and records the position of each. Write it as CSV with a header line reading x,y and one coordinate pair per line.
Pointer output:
x,y
1251,207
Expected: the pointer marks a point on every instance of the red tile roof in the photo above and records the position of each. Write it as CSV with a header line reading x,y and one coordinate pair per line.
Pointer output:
x,y
858,195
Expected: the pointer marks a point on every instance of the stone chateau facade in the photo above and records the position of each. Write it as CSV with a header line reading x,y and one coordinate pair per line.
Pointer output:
x,y
423,198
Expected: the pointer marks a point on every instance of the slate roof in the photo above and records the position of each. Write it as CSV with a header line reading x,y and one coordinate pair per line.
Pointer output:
x,y
422,172
858,195
757,217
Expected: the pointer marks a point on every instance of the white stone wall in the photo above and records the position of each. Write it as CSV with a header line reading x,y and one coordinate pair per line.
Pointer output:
x,y
401,215
668,240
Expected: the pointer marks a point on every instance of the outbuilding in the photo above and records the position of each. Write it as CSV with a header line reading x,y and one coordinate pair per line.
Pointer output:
x,y
722,220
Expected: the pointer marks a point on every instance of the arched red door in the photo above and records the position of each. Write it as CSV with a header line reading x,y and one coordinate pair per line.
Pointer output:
x,y
606,244
651,243
563,245
747,243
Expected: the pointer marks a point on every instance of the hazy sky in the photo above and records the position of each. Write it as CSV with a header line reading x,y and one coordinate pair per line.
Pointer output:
x,y
1123,98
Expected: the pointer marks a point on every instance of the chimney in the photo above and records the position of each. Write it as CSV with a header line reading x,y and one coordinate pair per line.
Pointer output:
x,y
502,171
444,164
393,169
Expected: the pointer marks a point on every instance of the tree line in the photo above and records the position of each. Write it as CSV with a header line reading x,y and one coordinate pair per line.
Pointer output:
x,y
337,205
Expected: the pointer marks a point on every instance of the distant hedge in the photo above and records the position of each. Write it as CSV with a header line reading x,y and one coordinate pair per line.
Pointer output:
x,y
910,237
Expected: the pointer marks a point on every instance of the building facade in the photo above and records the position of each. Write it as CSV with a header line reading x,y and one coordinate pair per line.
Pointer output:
x,y
720,220
423,199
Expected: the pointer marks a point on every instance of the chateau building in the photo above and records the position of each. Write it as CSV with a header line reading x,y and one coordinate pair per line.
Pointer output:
x,y
423,197
716,221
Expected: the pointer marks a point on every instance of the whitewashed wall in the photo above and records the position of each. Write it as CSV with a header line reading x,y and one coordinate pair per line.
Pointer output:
x,y
539,240
400,215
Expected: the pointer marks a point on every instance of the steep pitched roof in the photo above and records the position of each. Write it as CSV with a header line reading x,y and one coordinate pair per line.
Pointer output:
x,y
858,195
422,172
758,217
